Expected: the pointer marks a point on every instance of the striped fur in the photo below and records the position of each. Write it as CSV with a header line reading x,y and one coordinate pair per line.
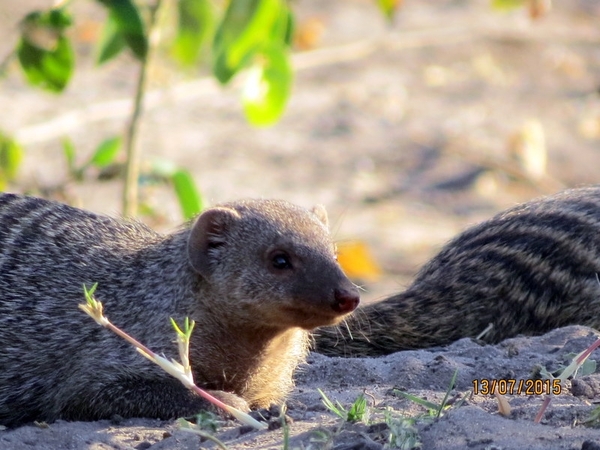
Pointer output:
x,y
528,270
251,316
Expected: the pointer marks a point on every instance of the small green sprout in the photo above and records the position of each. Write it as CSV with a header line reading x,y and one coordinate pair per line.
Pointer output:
x,y
196,429
182,371
577,362
435,409
356,413
403,433
93,307
358,410
594,418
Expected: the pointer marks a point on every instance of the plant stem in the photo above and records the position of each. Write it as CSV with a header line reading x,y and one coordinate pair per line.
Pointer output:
x,y
132,164
542,410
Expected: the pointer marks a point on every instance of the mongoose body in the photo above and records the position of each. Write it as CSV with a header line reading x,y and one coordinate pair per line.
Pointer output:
x,y
254,275
527,270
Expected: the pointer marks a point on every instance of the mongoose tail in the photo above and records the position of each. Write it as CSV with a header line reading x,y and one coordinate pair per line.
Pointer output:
x,y
255,275
527,270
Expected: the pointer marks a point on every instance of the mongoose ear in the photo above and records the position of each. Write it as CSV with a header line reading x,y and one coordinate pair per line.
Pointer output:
x,y
321,213
208,233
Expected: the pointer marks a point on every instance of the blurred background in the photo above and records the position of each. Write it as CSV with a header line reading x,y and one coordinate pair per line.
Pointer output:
x,y
408,130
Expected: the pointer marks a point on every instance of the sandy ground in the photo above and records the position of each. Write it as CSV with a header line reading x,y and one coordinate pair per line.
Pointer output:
x,y
474,424
404,133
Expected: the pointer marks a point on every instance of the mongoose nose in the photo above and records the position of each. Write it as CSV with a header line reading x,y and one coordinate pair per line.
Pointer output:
x,y
345,301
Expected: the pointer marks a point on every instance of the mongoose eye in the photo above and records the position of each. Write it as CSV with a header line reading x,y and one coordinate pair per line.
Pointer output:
x,y
281,261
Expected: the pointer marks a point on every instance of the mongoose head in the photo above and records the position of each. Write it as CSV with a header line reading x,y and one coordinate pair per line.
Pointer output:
x,y
273,262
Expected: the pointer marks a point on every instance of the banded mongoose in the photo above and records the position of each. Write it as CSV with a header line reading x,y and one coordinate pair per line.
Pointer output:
x,y
255,275
528,270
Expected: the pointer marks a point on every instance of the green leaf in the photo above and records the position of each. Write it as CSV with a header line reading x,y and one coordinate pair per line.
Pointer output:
x,y
49,70
246,26
11,155
445,399
268,87
106,152
358,410
196,24
388,7
237,17
283,29
189,197
45,53
507,5
421,401
587,368
336,408
129,25
111,42
257,30
42,25
69,152
221,69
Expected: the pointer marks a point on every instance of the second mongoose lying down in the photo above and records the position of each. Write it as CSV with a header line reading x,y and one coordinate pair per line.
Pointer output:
x,y
527,270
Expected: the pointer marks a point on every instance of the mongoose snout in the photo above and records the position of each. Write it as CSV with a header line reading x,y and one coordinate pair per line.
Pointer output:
x,y
346,300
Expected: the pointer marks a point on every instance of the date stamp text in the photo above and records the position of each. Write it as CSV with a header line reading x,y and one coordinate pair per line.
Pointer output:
x,y
510,386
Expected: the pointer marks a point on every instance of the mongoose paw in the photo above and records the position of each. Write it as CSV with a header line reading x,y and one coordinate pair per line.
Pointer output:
x,y
231,399
273,416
